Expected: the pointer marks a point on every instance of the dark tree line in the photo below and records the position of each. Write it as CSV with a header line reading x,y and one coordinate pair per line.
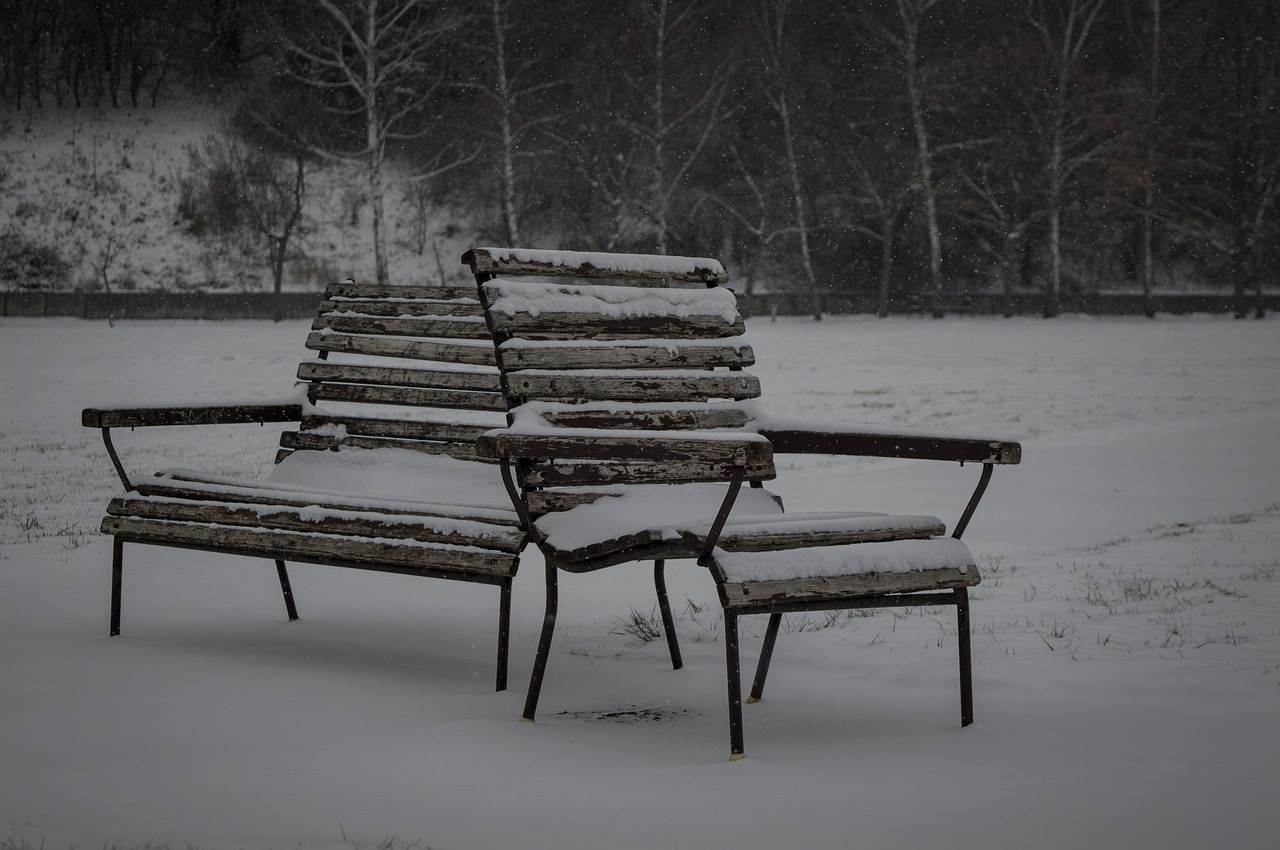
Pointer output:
x,y
917,150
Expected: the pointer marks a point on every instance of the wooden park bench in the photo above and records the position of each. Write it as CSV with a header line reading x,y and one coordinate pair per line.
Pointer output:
x,y
381,472
633,430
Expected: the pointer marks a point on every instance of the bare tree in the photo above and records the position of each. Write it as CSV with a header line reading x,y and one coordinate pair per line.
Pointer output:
x,y
380,58
1229,171
750,199
108,252
680,120
509,84
775,80
1055,103
257,164
883,176
899,40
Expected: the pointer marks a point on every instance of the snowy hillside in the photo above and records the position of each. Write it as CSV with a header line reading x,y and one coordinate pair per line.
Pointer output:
x,y
86,181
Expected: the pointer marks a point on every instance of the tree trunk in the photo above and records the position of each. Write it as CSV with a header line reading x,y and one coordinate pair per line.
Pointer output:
x,y
375,145
510,217
1149,196
1240,271
888,228
1148,257
911,25
1008,253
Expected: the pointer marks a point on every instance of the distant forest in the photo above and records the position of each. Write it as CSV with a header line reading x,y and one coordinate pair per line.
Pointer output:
x,y
916,150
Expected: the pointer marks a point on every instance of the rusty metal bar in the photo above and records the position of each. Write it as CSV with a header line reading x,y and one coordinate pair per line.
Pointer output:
x,y
544,646
966,661
713,534
985,479
287,590
766,655
115,461
734,675
117,575
664,607
504,634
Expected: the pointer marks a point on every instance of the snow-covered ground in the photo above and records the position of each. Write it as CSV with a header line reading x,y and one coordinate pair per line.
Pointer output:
x,y
1127,644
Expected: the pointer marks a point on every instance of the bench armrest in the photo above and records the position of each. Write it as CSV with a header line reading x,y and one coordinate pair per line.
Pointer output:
x,y
813,440
737,448
212,414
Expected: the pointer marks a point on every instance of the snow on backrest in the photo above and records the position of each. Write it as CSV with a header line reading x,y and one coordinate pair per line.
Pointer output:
x,y
593,311
585,264
660,359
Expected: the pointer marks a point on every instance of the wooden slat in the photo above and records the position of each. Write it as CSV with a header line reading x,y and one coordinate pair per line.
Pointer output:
x,y
746,540
294,441
456,400
189,489
368,524
442,379
352,551
458,328
542,502
377,291
672,419
764,593
601,266
673,356
403,308
570,474
632,386
404,429
604,548
414,349
581,326
671,450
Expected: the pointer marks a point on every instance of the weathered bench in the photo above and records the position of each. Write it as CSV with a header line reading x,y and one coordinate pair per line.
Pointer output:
x,y
384,477
633,431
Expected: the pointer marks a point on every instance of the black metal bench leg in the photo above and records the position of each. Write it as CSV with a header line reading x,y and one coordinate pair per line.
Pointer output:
x,y
966,660
734,670
504,633
544,647
117,575
664,607
766,655
287,590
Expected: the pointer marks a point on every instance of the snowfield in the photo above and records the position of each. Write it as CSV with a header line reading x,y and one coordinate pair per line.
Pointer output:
x,y
1127,631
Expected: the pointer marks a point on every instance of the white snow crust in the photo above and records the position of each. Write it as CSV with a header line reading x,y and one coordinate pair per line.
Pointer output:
x,y
640,263
898,556
614,302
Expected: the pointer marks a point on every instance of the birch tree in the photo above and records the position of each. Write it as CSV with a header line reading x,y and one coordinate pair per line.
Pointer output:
x,y
380,60
776,82
677,121
899,35
1059,104
511,89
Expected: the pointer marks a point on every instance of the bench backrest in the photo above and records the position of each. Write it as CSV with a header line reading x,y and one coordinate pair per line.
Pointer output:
x,y
399,366
607,355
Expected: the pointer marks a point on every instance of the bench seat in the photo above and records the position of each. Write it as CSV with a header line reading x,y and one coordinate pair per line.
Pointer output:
x,y
664,430
380,471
